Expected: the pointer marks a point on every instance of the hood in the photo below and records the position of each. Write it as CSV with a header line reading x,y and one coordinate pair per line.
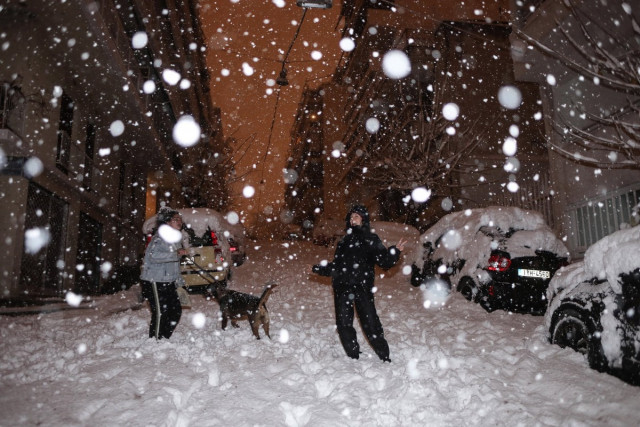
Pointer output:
x,y
363,212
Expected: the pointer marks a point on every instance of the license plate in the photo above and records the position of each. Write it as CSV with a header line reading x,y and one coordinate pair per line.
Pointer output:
x,y
542,274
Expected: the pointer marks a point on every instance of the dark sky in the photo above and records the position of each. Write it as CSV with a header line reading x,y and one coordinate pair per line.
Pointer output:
x,y
247,41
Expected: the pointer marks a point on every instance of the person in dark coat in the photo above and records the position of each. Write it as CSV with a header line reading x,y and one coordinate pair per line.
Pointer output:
x,y
353,271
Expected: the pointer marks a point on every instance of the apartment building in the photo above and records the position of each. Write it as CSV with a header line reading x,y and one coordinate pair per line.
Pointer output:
x,y
465,54
90,92
584,57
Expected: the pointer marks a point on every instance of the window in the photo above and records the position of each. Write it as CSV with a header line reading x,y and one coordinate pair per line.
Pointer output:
x,y
89,150
65,127
42,272
11,107
89,255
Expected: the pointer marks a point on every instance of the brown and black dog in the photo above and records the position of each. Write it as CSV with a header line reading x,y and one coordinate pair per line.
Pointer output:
x,y
236,306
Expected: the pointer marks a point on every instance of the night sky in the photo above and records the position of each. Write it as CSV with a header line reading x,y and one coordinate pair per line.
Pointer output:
x,y
247,43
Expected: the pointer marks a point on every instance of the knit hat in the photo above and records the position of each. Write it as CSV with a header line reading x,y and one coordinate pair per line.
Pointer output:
x,y
165,214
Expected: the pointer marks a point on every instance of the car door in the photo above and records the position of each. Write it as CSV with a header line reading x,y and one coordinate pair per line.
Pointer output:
x,y
629,304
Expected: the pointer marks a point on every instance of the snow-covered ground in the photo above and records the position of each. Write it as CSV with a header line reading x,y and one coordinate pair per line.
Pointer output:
x,y
453,365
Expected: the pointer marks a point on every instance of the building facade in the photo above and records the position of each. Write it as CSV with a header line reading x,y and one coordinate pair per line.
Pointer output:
x,y
585,58
91,92
497,151
459,56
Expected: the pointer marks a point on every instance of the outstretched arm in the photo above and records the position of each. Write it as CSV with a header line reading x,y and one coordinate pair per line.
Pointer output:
x,y
387,258
323,270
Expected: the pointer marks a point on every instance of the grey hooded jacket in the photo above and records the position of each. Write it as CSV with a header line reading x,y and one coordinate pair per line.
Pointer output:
x,y
161,262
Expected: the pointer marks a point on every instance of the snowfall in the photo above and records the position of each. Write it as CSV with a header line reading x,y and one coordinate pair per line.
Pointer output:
x,y
452,362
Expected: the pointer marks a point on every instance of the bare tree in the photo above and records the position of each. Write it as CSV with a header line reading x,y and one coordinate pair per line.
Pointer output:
x,y
610,57
422,148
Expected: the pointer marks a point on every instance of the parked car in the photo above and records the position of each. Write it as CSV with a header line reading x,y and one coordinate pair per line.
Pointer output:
x,y
292,232
237,248
236,236
391,232
594,305
499,257
209,260
327,231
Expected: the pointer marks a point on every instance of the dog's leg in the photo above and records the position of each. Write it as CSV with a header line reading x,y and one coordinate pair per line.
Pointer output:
x,y
255,328
224,321
264,319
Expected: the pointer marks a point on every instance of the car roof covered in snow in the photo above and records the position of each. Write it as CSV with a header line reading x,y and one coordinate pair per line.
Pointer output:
x,y
199,219
495,216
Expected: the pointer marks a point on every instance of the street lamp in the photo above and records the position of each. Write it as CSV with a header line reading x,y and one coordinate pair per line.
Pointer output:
x,y
282,78
317,4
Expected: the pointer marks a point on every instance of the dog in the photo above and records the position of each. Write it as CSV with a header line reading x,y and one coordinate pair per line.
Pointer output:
x,y
236,306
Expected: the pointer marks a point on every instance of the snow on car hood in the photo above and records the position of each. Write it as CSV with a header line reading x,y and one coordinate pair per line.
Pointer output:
x,y
606,259
613,255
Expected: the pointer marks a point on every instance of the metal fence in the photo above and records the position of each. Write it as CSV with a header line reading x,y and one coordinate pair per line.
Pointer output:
x,y
596,219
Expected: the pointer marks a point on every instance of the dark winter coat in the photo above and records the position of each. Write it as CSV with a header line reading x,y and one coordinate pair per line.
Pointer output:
x,y
356,256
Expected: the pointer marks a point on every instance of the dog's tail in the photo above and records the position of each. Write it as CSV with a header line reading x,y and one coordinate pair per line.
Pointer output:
x,y
267,291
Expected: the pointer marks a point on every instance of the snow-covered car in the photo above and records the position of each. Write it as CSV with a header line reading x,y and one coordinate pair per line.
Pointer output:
x,y
210,258
594,305
292,232
236,236
391,232
237,248
499,257
327,231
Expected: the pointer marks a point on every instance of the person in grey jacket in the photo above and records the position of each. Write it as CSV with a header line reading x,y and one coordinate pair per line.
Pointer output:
x,y
161,277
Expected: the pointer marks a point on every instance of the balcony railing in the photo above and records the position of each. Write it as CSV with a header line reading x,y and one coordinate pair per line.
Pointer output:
x,y
12,103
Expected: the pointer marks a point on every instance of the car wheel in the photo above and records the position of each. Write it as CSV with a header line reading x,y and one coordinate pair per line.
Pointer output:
x,y
467,287
577,331
596,357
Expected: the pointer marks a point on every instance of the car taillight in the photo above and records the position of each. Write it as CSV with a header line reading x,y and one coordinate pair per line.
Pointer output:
x,y
233,248
498,263
214,238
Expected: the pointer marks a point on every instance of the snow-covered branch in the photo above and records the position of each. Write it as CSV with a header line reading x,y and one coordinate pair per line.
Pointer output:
x,y
610,57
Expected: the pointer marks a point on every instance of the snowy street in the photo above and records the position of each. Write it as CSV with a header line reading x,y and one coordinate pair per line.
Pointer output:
x,y
456,365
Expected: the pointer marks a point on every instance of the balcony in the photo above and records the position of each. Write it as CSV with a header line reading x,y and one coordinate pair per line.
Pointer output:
x,y
11,115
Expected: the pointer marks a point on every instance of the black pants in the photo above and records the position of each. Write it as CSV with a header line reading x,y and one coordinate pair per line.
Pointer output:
x,y
165,308
362,300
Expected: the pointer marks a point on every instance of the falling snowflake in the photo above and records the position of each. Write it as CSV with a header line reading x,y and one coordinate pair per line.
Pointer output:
x,y
396,64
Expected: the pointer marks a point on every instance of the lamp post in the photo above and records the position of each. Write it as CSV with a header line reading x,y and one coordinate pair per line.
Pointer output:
x,y
316,4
